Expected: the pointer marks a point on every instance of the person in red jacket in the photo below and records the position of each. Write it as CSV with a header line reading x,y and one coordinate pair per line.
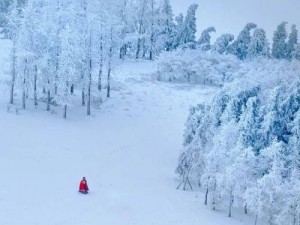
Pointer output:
x,y
83,186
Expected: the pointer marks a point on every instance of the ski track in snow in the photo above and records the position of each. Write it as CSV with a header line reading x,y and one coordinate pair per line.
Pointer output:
x,y
127,149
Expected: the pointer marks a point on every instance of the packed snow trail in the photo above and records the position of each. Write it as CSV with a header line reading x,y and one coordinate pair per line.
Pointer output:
x,y
127,150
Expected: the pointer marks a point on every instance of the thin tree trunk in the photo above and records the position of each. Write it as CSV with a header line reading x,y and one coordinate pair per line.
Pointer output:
x,y
246,209
230,204
151,50
24,86
48,96
13,73
144,49
206,196
137,55
24,94
152,31
89,89
83,96
108,80
57,51
72,89
101,65
65,111
109,64
256,217
214,197
35,86
90,76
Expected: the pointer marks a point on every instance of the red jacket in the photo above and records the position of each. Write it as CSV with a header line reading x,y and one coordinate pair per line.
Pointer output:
x,y
83,186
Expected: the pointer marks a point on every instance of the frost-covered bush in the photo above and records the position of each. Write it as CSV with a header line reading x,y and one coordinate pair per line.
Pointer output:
x,y
196,67
244,145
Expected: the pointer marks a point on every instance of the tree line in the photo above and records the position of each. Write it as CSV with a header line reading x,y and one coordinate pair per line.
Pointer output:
x,y
62,46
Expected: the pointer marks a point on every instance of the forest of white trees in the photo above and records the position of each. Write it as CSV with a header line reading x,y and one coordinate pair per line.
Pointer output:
x,y
64,46
242,148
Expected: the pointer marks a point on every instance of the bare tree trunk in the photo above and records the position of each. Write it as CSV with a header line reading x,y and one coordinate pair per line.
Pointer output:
x,y
57,51
24,94
65,111
152,32
108,79
230,203
206,196
137,55
256,217
72,89
24,86
83,96
89,87
13,73
90,75
246,209
48,99
214,197
101,64
109,63
144,48
35,86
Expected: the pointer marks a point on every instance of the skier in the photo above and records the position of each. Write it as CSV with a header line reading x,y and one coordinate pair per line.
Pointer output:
x,y
83,186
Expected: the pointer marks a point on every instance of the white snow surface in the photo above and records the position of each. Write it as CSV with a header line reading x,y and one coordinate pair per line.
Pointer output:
x,y
127,149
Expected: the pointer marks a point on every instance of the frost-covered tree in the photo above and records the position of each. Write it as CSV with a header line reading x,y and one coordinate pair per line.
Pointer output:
x,y
142,20
188,29
204,40
259,45
296,52
240,45
166,22
13,26
292,42
279,48
222,43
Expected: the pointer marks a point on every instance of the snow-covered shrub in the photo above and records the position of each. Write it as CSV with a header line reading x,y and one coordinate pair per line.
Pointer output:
x,y
196,67
244,145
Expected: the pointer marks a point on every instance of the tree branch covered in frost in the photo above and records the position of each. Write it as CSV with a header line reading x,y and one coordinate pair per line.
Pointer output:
x,y
244,144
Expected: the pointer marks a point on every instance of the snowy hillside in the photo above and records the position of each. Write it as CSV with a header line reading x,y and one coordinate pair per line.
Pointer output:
x,y
127,150
130,95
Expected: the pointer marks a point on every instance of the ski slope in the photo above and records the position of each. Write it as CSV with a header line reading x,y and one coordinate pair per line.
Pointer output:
x,y
127,149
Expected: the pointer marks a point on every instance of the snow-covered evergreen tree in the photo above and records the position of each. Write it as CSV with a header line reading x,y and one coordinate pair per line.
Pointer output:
x,y
240,45
258,45
188,29
166,22
204,40
222,43
296,52
292,42
279,48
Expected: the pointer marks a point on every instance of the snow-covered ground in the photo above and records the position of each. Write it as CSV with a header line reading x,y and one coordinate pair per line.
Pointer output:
x,y
127,149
